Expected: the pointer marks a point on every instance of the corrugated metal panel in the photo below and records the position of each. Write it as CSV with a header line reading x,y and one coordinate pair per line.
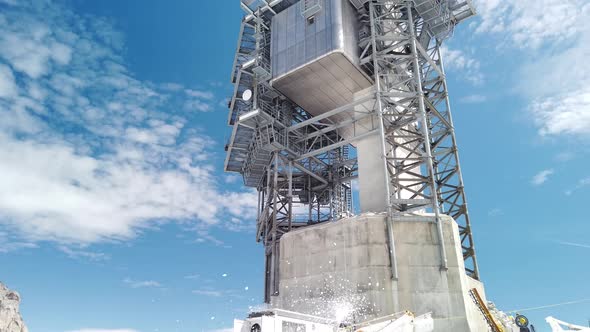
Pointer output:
x,y
359,3
296,41
315,63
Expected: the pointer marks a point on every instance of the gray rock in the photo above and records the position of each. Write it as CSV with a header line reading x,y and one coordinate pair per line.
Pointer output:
x,y
10,318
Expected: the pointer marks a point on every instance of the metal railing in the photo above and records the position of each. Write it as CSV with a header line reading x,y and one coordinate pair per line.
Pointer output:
x,y
310,8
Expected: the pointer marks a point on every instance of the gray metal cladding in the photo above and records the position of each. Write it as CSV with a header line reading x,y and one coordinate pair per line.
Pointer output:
x,y
296,41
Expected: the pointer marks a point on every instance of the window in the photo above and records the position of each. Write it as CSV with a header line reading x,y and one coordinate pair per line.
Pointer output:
x,y
293,327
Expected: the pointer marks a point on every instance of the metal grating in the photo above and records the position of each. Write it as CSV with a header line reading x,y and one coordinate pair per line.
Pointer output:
x,y
310,7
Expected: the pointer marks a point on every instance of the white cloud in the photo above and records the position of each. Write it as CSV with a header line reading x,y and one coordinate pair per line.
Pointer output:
x,y
541,177
9,2
105,330
532,23
567,113
574,244
210,293
199,100
464,65
473,99
8,88
84,254
6,247
229,329
554,38
565,156
142,283
495,212
90,153
226,293
232,178
585,182
203,236
31,48
198,105
200,94
559,87
9,244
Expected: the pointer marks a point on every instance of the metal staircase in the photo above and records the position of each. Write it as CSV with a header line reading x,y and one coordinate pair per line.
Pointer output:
x,y
262,69
342,204
481,306
258,157
437,16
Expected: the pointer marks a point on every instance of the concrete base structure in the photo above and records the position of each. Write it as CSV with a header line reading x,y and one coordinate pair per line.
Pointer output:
x,y
342,269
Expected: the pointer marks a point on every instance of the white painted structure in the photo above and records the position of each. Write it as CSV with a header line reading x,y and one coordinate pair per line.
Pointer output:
x,y
558,326
287,321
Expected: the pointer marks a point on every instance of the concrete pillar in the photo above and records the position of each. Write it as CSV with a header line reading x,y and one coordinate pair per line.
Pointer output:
x,y
372,182
372,179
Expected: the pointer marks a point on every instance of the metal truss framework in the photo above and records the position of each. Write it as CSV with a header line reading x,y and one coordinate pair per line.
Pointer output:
x,y
301,166
417,130
303,176
291,198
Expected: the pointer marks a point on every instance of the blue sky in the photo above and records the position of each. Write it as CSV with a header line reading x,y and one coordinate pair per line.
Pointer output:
x,y
115,214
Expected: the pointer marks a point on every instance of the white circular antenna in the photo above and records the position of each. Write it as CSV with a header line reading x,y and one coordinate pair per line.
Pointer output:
x,y
247,95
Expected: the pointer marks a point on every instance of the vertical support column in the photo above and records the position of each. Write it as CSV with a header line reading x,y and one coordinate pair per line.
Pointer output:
x,y
470,247
275,271
260,208
267,275
332,212
259,214
309,199
271,232
290,194
273,244
319,208
257,53
422,117
267,207
380,110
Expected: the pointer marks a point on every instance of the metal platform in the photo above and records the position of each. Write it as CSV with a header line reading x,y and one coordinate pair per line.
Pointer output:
x,y
440,15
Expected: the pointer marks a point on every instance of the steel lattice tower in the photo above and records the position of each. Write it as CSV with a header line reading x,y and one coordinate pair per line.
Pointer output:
x,y
302,165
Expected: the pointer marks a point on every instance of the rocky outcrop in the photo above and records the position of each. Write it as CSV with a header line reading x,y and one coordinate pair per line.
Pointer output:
x,y
10,319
